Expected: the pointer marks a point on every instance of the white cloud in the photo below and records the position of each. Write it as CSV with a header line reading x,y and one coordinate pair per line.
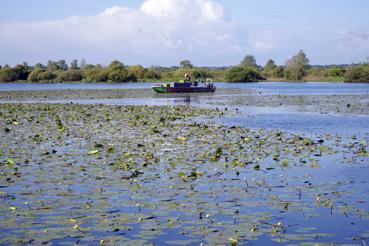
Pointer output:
x,y
262,45
212,11
116,10
184,10
159,32
163,32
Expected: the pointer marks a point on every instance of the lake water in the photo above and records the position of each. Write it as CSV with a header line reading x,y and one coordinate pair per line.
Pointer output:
x,y
268,88
327,203
285,118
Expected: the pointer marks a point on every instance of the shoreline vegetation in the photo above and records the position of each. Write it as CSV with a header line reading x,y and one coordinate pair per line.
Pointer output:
x,y
296,69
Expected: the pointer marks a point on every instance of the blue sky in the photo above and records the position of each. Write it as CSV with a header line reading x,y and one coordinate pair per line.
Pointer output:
x,y
163,32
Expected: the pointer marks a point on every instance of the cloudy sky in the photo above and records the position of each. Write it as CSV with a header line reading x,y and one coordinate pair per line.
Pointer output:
x,y
163,32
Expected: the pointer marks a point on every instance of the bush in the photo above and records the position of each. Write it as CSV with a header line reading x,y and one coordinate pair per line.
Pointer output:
x,y
294,73
95,74
278,72
358,73
151,75
19,72
334,72
121,75
242,74
199,74
46,76
139,71
9,75
70,76
33,76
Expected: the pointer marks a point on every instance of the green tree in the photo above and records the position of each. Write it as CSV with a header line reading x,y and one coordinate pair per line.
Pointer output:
x,y
185,64
242,74
270,65
199,74
46,76
249,60
23,70
297,66
117,72
277,72
334,72
74,65
34,75
39,65
62,65
151,75
122,76
70,76
11,74
95,74
8,74
138,70
52,66
268,68
116,65
357,73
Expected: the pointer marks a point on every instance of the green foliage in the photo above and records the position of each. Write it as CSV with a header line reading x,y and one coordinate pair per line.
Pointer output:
x,y
19,72
116,65
138,70
33,76
269,68
357,73
39,65
46,76
74,65
200,74
70,75
121,76
143,74
117,72
327,72
8,75
249,61
151,75
270,65
53,66
186,64
94,74
296,67
242,74
277,72
333,74
178,74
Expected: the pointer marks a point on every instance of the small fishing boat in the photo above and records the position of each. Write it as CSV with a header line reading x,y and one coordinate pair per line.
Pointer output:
x,y
185,87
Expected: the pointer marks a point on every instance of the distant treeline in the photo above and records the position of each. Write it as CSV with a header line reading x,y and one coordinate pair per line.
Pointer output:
x,y
295,69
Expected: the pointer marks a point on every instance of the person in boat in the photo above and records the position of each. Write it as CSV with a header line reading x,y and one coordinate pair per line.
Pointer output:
x,y
187,78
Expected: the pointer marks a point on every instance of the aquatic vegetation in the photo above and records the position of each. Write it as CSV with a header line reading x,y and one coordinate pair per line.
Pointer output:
x,y
140,175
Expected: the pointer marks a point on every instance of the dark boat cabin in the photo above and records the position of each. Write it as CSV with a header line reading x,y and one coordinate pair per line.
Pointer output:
x,y
182,85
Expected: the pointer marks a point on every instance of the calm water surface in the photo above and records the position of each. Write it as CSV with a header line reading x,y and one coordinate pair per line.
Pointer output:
x,y
271,88
335,179
285,118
